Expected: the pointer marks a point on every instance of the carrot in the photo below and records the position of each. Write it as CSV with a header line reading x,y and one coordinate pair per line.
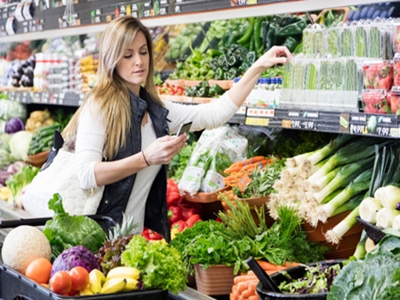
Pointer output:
x,y
254,159
252,286
267,266
234,296
242,286
246,294
254,297
243,278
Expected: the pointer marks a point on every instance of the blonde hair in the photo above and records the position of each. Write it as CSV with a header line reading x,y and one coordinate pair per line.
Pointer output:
x,y
111,94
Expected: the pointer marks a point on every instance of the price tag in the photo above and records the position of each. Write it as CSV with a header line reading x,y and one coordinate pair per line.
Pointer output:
x,y
395,132
383,131
260,112
296,124
146,13
163,2
358,129
287,123
163,11
257,121
308,125
24,97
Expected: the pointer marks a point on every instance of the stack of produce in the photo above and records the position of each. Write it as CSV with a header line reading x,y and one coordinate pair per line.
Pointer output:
x,y
73,256
42,139
239,236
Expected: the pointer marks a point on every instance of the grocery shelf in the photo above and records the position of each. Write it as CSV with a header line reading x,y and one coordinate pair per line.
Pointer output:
x,y
356,123
264,8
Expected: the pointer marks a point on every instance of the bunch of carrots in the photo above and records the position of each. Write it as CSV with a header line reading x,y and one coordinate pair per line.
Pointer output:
x,y
238,173
244,285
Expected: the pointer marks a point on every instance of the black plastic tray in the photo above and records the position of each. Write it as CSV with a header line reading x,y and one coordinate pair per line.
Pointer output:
x,y
373,232
295,272
14,285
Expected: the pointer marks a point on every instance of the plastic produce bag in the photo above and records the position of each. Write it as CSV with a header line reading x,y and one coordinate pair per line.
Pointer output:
x,y
216,149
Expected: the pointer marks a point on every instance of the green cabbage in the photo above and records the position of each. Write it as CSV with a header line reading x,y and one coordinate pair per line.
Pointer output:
x,y
65,231
12,109
19,144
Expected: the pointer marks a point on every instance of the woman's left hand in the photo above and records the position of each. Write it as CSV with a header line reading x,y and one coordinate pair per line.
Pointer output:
x,y
275,55
162,150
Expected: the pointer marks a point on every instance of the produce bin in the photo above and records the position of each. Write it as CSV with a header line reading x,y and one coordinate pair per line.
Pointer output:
x,y
13,285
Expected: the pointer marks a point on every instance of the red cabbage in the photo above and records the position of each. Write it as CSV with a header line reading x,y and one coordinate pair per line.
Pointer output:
x,y
73,257
4,175
14,125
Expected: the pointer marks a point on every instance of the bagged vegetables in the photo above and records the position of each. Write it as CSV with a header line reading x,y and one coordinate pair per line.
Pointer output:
x,y
215,151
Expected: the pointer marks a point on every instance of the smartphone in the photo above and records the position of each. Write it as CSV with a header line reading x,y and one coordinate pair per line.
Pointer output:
x,y
184,128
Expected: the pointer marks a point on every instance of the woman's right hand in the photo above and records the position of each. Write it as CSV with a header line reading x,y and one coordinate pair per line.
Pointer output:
x,y
162,150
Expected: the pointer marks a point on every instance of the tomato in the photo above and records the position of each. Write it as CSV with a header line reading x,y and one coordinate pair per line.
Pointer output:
x,y
39,270
61,283
79,278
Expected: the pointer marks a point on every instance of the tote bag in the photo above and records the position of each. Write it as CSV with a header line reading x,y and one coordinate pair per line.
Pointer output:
x,y
60,176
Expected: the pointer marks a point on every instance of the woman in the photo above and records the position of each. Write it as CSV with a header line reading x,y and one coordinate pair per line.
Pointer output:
x,y
123,129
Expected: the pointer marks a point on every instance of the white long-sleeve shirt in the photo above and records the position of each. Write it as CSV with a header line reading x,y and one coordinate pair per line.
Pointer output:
x,y
91,139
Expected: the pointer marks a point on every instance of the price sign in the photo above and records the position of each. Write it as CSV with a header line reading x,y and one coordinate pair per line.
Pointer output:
x,y
287,123
257,121
296,124
383,131
24,97
395,132
308,125
358,129
163,11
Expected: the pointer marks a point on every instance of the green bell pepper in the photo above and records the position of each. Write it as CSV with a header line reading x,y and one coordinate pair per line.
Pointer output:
x,y
271,35
292,29
291,43
219,74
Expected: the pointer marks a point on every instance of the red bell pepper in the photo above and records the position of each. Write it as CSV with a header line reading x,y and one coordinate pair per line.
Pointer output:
x,y
188,212
181,225
192,220
151,235
173,195
174,214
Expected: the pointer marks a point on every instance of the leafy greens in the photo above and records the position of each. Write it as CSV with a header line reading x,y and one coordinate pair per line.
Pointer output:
x,y
161,266
65,231
377,277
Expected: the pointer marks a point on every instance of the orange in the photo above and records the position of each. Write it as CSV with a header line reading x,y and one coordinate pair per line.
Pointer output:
x,y
39,270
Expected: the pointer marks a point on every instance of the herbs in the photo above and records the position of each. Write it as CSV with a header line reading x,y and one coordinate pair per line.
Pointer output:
x,y
262,180
178,163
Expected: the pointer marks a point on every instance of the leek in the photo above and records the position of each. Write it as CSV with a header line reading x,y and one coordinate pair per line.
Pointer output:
x,y
388,196
329,149
385,216
334,235
349,205
369,207
348,154
360,184
360,248
324,180
345,175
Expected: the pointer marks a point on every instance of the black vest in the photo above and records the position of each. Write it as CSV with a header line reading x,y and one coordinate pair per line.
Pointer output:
x,y
116,195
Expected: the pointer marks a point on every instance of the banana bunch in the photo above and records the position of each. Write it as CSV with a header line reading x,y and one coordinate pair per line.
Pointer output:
x,y
5,193
119,279
160,44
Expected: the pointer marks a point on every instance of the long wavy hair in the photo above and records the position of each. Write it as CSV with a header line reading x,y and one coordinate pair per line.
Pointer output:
x,y
111,94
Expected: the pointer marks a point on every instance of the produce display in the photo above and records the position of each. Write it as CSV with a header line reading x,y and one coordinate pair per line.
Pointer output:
x,y
301,177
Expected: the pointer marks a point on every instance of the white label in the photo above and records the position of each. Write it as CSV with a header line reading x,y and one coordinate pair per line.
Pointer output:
x,y
26,12
18,12
212,182
191,180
